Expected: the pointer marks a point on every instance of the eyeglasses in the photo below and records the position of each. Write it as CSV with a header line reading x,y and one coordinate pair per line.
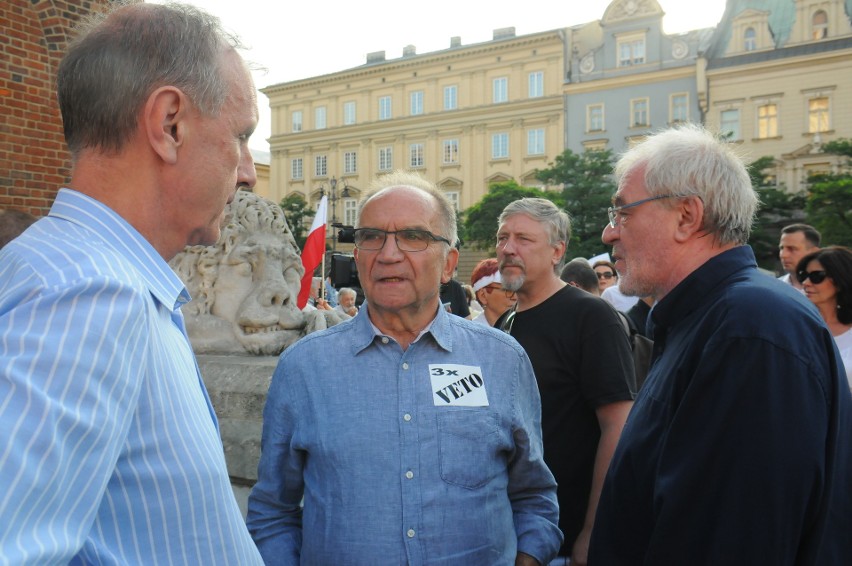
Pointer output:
x,y
605,274
373,239
816,277
490,289
613,211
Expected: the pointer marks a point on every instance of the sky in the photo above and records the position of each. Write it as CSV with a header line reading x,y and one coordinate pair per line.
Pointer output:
x,y
297,40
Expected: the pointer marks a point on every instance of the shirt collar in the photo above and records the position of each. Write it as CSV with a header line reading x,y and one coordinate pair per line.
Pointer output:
x,y
118,234
690,293
438,327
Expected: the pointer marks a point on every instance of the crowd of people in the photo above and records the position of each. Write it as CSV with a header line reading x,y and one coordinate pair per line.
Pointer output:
x,y
418,436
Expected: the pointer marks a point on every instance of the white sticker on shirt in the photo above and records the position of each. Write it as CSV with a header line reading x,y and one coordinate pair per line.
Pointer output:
x,y
457,385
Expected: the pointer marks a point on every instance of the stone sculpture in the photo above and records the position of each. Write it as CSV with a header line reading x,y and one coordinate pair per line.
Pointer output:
x,y
244,287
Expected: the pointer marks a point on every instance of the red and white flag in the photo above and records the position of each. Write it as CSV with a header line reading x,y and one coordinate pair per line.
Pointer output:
x,y
313,251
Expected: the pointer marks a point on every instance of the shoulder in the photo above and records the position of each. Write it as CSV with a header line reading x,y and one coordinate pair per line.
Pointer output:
x,y
481,335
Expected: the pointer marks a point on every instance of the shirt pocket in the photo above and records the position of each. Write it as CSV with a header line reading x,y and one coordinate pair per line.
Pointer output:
x,y
469,447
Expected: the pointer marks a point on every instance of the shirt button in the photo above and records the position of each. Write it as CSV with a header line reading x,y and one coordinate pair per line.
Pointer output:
x,y
409,474
405,365
410,533
384,339
406,417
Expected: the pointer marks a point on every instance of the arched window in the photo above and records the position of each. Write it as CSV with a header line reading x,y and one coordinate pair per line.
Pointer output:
x,y
819,25
750,39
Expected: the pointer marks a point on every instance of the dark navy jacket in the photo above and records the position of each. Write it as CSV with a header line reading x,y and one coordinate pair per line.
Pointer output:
x,y
738,448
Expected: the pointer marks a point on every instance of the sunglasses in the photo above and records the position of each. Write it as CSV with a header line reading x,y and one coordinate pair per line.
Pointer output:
x,y
816,277
605,274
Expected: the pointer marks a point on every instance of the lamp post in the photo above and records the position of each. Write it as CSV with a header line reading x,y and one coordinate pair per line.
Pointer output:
x,y
334,197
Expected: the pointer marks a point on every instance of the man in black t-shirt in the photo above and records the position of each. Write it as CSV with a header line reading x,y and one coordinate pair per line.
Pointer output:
x,y
581,357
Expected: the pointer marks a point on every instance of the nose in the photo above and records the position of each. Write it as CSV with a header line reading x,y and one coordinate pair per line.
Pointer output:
x,y
390,252
246,172
608,236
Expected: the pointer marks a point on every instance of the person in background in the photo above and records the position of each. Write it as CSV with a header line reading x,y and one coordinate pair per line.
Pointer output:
x,y
826,277
454,299
580,274
610,291
110,446
490,293
738,450
580,351
607,276
12,224
414,436
797,240
346,298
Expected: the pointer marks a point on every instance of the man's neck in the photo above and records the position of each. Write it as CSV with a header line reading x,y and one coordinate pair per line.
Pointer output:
x,y
403,326
533,293
793,281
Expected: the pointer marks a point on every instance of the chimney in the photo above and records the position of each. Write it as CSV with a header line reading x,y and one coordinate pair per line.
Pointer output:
x,y
455,41
376,57
504,33
409,50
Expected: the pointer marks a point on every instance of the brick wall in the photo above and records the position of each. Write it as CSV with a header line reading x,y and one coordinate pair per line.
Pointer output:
x,y
34,162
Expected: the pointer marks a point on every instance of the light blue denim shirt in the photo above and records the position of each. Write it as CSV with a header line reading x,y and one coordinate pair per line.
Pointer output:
x,y
431,455
110,451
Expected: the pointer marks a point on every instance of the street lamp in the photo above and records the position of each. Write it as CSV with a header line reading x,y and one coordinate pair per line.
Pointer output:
x,y
333,197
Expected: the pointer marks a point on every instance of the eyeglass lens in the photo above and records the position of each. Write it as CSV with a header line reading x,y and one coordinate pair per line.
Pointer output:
x,y
816,277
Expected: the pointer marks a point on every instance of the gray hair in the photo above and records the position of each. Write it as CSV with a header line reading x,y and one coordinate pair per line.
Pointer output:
x,y
120,57
347,291
401,178
689,160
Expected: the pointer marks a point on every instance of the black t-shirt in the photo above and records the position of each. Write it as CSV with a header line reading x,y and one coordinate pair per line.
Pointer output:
x,y
453,293
582,360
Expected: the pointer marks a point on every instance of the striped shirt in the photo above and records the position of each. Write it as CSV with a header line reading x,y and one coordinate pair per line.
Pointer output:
x,y
110,451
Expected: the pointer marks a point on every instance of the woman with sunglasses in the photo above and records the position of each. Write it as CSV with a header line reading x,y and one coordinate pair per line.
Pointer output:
x,y
488,287
826,277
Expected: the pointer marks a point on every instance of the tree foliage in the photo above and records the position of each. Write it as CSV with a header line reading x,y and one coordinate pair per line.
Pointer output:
x,y
829,204
480,220
587,192
297,211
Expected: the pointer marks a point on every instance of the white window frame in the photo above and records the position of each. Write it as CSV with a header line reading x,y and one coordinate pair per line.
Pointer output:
x,y
320,166
450,152
385,108
500,145
415,101
595,117
454,198
451,97
535,141
350,161
630,49
500,90
818,115
749,39
297,169
350,211
536,84
635,108
296,121
350,114
678,113
737,131
320,118
767,123
416,157
819,30
386,158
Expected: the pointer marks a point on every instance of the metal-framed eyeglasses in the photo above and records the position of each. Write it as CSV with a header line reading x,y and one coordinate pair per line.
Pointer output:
x,y
411,240
613,211
491,288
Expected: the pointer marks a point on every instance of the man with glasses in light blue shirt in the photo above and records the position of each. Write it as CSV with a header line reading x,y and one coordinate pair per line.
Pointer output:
x,y
413,436
110,450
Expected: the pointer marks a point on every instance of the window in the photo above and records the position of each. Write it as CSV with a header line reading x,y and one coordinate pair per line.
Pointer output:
x,y
595,118
348,113
729,124
350,162
296,168
319,118
500,146
767,121
451,97
451,151
536,84
385,158
350,211
535,141
679,108
818,117
296,121
416,102
415,155
639,113
749,40
320,166
385,109
631,50
453,196
500,90
819,27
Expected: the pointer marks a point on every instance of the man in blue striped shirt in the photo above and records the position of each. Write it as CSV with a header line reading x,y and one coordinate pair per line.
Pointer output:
x,y
110,451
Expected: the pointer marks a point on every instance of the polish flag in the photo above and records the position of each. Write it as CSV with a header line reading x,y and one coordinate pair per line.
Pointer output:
x,y
313,251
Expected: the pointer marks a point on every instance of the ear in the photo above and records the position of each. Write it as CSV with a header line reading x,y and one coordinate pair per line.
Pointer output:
x,y
450,265
559,252
690,218
164,121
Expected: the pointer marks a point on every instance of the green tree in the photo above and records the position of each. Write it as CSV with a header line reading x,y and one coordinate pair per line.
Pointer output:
x,y
587,189
480,220
777,209
296,210
829,204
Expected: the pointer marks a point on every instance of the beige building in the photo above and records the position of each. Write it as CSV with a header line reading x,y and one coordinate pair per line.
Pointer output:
x,y
780,84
